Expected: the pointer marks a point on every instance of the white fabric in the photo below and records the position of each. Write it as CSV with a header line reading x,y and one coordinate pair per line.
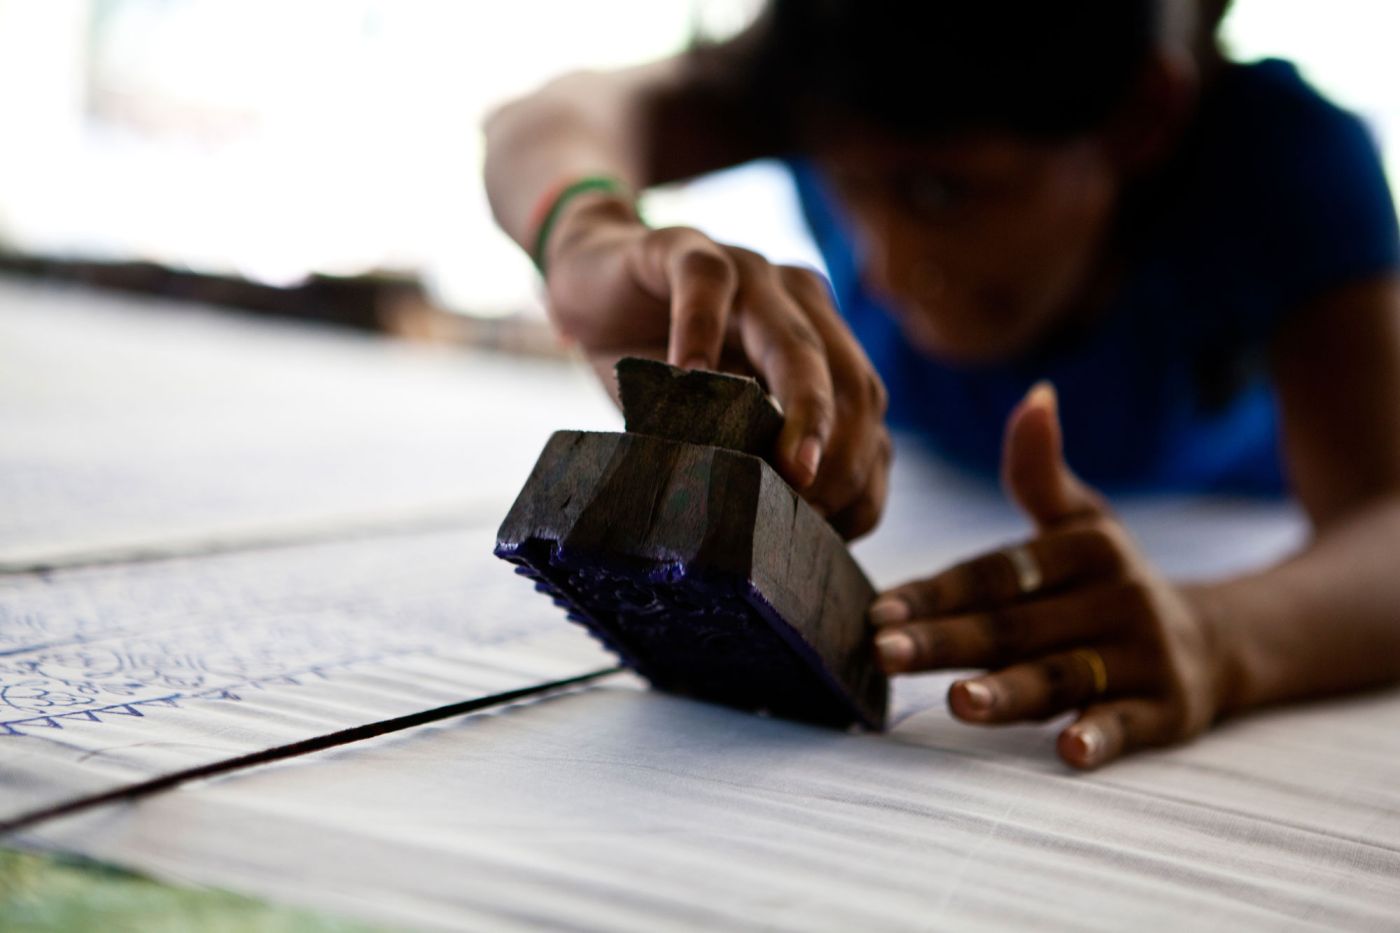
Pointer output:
x,y
616,809
127,431
113,674
132,426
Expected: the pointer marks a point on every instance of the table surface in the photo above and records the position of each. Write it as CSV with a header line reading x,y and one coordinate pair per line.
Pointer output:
x,y
222,534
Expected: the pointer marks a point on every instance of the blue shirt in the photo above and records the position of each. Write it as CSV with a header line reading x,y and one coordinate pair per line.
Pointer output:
x,y
1281,197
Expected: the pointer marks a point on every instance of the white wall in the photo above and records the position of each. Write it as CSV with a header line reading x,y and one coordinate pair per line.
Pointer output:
x,y
278,137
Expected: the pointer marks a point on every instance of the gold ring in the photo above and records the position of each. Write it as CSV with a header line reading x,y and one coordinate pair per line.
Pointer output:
x,y
1026,568
1096,667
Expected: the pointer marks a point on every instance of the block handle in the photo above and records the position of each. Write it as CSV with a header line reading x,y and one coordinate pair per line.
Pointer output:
x,y
697,406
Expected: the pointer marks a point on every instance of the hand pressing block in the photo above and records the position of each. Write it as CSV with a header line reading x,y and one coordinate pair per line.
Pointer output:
x,y
686,553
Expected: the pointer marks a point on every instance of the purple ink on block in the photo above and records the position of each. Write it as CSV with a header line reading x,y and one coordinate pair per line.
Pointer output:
x,y
683,550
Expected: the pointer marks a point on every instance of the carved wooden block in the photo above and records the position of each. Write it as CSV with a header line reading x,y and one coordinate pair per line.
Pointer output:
x,y
688,555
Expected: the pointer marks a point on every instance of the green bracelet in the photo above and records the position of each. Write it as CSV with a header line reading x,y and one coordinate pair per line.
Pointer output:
x,y
556,207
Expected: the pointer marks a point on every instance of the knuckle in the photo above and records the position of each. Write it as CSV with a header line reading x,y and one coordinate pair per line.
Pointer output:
x,y
1174,726
1004,635
799,332
867,517
795,346
704,264
990,578
876,395
816,404
1097,538
858,520
861,388
670,238
924,596
1063,683
805,283
925,643
841,485
1125,722
1136,601
1114,537
1008,691
1104,549
1137,629
746,259
864,512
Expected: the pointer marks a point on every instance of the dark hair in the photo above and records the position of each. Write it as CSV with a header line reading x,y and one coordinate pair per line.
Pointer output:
x,y
928,68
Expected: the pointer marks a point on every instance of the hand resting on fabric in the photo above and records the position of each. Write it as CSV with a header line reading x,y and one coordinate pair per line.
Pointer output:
x,y
1082,621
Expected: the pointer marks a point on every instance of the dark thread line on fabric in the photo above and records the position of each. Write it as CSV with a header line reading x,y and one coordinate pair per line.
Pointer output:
x,y
293,750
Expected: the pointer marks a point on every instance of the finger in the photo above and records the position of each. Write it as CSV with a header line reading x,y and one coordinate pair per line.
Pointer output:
x,y
789,354
1049,686
1034,471
853,454
1001,636
1107,731
700,279
848,463
861,516
1062,558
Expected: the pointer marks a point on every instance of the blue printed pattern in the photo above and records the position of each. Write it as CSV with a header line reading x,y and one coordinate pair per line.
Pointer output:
x,y
114,642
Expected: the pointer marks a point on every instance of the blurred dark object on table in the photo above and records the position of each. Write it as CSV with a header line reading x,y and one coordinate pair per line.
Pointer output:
x,y
390,303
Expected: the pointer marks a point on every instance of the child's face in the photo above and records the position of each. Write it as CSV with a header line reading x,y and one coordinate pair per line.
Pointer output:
x,y
982,244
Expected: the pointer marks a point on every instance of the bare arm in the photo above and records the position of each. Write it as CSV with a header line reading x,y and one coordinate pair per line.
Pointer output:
x,y
647,126
617,287
1148,662
1329,619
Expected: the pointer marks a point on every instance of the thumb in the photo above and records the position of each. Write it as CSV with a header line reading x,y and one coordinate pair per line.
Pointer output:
x,y
1033,468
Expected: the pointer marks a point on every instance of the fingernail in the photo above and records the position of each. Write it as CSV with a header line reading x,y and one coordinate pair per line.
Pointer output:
x,y
1043,393
979,695
896,650
809,456
696,362
888,609
1088,741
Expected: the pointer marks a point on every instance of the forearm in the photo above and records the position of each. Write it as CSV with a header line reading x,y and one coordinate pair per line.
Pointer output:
x,y
1325,621
583,124
645,126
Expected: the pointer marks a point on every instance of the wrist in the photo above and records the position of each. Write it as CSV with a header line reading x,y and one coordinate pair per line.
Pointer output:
x,y
583,217
562,199
1230,676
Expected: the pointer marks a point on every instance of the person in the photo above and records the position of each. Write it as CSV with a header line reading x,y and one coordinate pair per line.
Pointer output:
x,y
1079,221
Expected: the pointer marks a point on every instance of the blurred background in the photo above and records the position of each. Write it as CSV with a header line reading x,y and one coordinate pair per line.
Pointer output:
x,y
321,158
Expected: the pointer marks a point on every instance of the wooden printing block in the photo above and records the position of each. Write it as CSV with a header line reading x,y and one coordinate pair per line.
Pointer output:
x,y
685,553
